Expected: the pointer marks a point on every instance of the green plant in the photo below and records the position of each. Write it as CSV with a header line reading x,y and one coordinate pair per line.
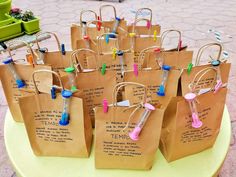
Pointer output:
x,y
16,13
28,16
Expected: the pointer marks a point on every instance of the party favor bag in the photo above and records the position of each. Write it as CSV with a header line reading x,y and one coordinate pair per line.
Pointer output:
x,y
55,123
116,25
127,137
220,65
149,29
92,85
161,84
191,123
178,58
118,60
92,29
57,59
16,82
136,44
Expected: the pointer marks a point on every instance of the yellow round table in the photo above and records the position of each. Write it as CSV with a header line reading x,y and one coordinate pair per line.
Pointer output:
x,y
26,164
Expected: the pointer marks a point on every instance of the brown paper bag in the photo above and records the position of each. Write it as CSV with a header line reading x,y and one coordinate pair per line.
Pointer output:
x,y
10,88
144,30
120,61
92,86
102,44
178,58
149,29
187,76
47,137
84,28
152,79
179,138
137,44
122,25
57,59
113,146
175,59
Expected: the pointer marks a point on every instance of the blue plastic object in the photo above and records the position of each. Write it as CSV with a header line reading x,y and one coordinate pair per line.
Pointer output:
x,y
63,50
118,19
7,61
53,93
64,119
166,67
20,83
112,35
215,63
66,94
161,91
107,39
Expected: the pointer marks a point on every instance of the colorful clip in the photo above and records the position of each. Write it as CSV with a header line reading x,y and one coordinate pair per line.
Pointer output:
x,y
105,105
53,93
66,95
114,50
180,44
189,69
190,97
107,38
99,24
134,135
148,24
30,59
158,50
165,69
9,62
155,35
135,67
103,70
132,34
63,50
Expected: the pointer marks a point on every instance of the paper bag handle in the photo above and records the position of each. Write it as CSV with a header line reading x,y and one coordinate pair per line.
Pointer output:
x,y
75,63
142,54
51,34
104,6
139,11
199,75
124,84
25,44
203,48
48,71
165,33
87,11
92,22
99,46
139,20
